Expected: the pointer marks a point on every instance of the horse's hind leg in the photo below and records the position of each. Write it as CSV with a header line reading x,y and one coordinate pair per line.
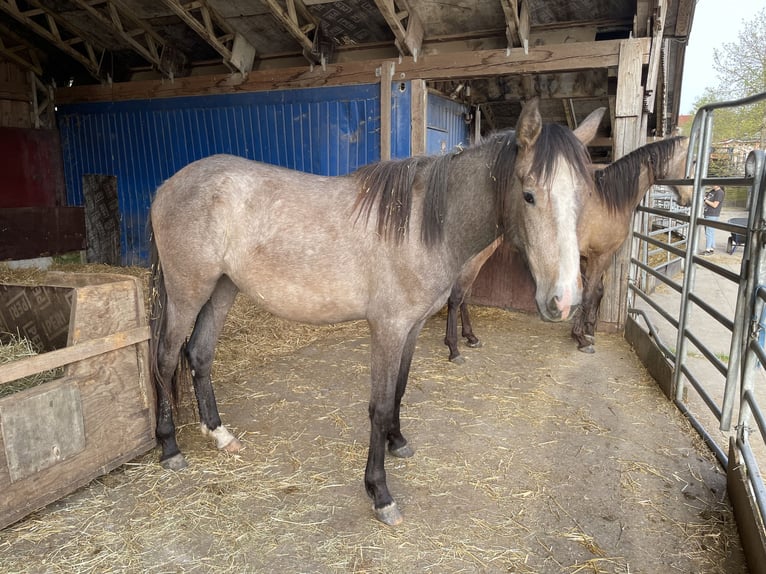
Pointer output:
x,y
465,319
200,351
397,444
168,352
450,337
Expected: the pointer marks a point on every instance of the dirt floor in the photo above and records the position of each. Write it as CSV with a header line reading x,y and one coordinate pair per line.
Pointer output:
x,y
530,457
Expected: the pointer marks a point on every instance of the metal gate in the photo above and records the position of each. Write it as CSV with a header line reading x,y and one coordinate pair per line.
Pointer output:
x,y
699,323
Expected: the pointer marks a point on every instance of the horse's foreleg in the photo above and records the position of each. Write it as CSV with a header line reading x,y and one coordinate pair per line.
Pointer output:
x,y
388,346
578,321
200,351
592,290
592,317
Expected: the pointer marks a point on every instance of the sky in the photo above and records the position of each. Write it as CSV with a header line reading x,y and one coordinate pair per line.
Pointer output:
x,y
715,21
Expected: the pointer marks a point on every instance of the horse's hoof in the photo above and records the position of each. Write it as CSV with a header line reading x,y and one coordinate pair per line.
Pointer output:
x,y
587,349
234,446
175,462
458,360
389,514
475,344
404,451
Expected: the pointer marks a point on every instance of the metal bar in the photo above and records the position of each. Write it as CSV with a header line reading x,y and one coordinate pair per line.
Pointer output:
x,y
709,440
703,394
666,351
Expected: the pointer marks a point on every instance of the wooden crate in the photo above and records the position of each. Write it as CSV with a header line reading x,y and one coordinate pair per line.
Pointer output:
x,y
62,434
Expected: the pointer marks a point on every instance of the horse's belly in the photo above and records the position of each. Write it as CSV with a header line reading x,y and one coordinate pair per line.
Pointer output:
x,y
306,305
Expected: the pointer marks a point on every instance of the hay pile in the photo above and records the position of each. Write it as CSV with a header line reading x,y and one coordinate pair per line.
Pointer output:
x,y
13,348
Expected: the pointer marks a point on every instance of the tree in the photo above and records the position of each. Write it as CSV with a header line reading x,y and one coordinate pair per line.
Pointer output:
x,y
741,71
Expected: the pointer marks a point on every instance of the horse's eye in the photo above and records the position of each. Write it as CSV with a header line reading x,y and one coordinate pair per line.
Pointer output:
x,y
529,198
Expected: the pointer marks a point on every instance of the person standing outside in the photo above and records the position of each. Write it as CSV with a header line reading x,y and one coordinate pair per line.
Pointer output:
x,y
713,204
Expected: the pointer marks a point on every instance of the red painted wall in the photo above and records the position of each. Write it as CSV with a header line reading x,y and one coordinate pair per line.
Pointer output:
x,y
31,168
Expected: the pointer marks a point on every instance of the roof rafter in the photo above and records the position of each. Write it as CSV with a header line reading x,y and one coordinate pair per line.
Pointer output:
x,y
516,23
290,17
139,35
409,37
46,25
18,50
238,54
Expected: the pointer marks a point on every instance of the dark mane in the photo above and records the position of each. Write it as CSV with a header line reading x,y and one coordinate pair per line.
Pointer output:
x,y
389,184
617,184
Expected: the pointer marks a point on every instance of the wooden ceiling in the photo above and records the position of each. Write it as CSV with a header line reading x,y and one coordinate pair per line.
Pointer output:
x,y
488,53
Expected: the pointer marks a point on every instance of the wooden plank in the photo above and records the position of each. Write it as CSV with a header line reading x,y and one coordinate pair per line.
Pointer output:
x,y
30,232
68,355
466,65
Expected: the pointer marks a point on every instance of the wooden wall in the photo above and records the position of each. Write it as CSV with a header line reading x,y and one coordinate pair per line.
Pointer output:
x,y
15,97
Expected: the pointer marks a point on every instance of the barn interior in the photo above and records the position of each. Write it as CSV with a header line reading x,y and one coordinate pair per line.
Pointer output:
x,y
488,54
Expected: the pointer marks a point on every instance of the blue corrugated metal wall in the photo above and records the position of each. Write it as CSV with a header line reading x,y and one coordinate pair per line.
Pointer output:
x,y
446,126
329,131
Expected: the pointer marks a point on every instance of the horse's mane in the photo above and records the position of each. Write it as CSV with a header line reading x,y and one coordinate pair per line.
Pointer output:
x,y
389,184
617,183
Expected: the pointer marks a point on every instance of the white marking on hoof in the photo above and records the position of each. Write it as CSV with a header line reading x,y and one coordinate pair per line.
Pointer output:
x,y
224,440
389,514
176,462
458,360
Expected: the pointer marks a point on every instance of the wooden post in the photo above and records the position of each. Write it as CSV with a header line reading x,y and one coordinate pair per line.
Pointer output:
x,y
419,107
386,75
629,130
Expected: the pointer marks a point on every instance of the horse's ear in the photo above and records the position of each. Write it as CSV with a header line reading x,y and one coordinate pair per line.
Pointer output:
x,y
586,131
529,125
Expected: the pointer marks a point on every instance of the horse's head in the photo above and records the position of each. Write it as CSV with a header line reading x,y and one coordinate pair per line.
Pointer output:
x,y
550,176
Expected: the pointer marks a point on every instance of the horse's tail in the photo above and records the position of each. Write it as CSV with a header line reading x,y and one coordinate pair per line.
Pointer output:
x,y
158,299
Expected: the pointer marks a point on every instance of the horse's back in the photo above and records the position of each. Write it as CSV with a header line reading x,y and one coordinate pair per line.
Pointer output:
x,y
292,241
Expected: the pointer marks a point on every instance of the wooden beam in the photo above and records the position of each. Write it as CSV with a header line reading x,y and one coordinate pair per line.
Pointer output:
x,y
18,50
464,65
46,25
140,36
655,56
204,21
516,23
409,37
288,17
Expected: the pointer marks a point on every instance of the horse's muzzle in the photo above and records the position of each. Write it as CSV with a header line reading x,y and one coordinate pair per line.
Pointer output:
x,y
559,308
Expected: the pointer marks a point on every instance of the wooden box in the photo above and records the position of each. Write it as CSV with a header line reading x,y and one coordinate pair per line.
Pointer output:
x,y
61,434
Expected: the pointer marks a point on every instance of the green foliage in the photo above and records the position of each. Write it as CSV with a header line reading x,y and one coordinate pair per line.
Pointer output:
x,y
740,72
